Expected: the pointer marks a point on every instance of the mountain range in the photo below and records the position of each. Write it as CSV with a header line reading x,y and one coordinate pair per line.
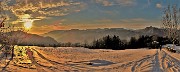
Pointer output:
x,y
88,35
24,38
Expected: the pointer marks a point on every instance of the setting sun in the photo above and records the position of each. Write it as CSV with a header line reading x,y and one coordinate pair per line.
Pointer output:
x,y
28,25
27,21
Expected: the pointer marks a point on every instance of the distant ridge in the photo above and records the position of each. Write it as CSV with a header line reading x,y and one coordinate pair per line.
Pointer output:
x,y
33,39
88,35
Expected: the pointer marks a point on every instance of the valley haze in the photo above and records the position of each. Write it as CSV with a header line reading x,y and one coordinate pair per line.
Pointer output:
x,y
88,35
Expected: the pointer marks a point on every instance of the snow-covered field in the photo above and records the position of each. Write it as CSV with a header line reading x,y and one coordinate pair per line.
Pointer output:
x,y
99,60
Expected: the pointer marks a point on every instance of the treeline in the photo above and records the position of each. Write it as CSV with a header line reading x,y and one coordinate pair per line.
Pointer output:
x,y
108,42
115,43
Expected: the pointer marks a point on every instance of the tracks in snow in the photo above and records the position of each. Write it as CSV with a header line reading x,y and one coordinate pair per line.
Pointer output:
x,y
159,62
55,63
169,63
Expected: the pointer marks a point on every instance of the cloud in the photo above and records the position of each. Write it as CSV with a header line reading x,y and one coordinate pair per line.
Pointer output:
x,y
46,28
138,23
104,2
116,2
58,22
52,27
41,9
158,5
104,21
126,2
133,20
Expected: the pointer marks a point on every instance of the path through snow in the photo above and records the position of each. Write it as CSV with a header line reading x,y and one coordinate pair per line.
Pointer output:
x,y
80,59
161,61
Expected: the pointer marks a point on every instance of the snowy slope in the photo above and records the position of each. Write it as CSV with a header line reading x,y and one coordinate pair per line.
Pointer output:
x,y
100,60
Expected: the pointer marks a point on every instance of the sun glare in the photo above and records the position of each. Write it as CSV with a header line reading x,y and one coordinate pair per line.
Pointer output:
x,y
27,21
28,24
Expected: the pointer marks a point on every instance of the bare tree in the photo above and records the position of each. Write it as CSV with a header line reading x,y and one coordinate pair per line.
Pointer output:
x,y
8,37
171,21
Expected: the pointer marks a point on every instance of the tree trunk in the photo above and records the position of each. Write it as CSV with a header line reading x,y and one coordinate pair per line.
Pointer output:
x,y
12,55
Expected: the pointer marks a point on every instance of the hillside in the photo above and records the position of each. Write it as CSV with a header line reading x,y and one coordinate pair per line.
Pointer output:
x,y
32,39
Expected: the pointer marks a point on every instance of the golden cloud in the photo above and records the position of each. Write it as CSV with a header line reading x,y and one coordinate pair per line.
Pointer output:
x,y
158,5
104,20
41,9
134,20
116,2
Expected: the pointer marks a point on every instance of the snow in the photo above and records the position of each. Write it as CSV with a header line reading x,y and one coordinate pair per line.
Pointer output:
x,y
74,59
